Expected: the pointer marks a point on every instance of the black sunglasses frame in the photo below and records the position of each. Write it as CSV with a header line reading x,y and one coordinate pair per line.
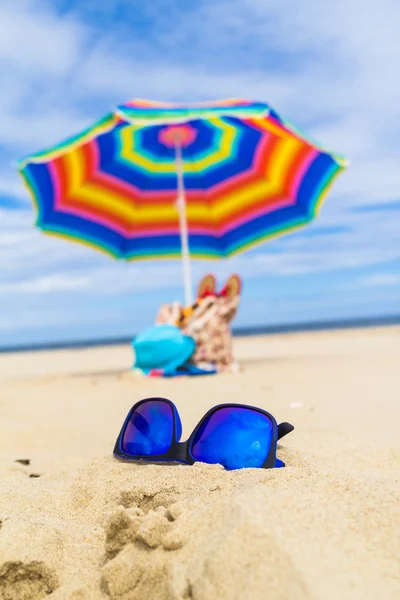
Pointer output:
x,y
181,451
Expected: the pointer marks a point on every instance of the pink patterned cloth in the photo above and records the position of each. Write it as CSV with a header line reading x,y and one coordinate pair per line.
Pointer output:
x,y
209,326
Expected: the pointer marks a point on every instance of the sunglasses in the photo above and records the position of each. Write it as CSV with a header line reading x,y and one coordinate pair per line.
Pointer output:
x,y
234,435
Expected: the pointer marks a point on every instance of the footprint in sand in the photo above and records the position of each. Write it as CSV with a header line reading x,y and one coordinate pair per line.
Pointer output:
x,y
151,530
199,549
26,580
30,557
136,538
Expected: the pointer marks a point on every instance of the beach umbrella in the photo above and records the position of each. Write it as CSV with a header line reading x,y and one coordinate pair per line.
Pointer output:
x,y
159,180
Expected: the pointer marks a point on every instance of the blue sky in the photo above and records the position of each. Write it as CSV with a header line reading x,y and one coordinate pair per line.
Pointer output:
x,y
329,67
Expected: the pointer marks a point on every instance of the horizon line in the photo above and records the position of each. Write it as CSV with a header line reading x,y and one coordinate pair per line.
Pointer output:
x,y
241,331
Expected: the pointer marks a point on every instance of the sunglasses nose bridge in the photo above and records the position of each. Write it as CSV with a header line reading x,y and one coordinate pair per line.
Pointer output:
x,y
181,452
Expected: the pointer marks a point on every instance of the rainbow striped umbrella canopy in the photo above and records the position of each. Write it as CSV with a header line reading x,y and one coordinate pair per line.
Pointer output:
x,y
242,174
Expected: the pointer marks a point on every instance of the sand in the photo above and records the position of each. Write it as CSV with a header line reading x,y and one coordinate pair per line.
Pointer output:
x,y
77,524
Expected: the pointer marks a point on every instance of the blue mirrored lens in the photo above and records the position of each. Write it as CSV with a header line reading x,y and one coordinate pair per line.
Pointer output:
x,y
149,430
234,437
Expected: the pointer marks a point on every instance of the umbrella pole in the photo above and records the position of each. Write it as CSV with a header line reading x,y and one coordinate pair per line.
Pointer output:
x,y
181,204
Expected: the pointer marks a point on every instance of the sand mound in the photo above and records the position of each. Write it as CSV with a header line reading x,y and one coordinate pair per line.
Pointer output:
x,y
198,550
128,532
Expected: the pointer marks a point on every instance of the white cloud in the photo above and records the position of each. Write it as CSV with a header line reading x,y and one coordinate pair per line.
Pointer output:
x,y
34,39
44,285
12,185
38,52
380,280
46,127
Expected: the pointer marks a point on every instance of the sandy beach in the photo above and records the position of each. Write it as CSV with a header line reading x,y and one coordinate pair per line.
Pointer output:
x,y
76,524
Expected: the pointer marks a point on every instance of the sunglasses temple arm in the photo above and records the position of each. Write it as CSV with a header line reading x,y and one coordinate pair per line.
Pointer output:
x,y
284,429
